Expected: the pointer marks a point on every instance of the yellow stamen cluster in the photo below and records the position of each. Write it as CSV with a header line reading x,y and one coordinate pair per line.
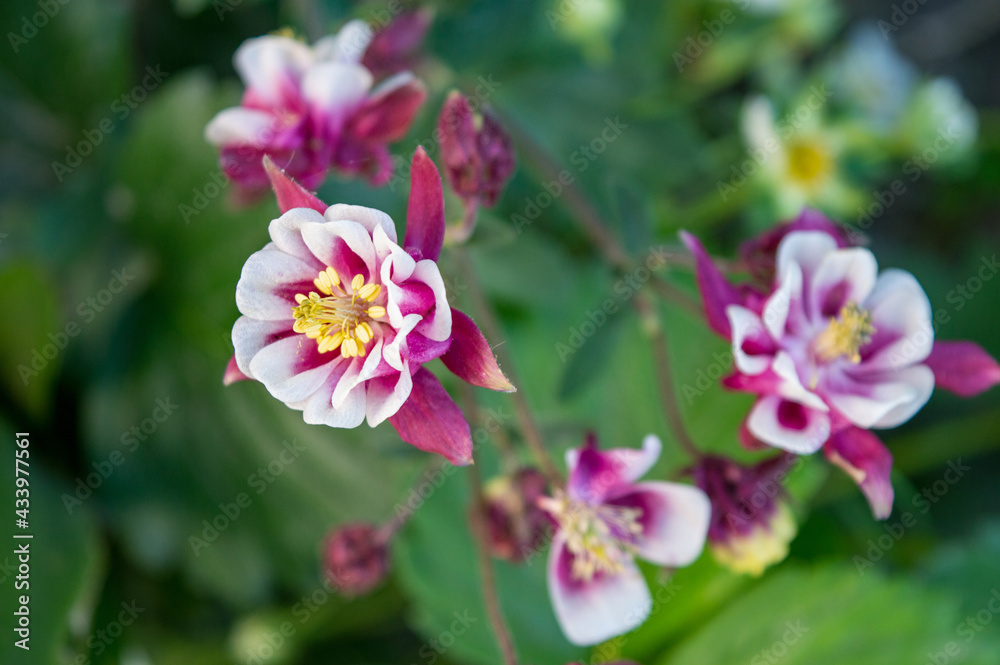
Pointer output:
x,y
809,163
336,319
846,334
601,538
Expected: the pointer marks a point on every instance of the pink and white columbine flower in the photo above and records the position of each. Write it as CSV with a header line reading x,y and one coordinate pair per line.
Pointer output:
x,y
605,519
312,108
835,349
338,317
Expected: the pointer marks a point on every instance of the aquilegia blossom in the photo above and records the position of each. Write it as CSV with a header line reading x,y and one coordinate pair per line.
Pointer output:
x,y
311,109
605,519
833,349
338,317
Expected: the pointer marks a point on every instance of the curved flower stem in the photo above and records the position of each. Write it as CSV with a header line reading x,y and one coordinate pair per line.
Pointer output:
x,y
664,375
593,225
499,437
459,233
530,429
480,530
677,296
388,528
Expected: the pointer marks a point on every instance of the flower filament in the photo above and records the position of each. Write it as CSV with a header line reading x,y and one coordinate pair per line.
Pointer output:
x,y
336,319
602,538
846,334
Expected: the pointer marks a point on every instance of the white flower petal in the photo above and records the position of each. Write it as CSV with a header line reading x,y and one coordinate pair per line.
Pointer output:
x,y
279,367
239,126
437,326
629,464
393,350
349,382
807,249
791,386
745,324
757,124
286,233
265,276
370,218
675,517
898,304
788,425
271,66
591,612
318,409
321,239
885,400
776,309
385,399
348,45
847,273
251,335
335,90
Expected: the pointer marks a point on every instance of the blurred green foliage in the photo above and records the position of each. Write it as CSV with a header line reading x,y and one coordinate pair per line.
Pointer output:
x,y
564,69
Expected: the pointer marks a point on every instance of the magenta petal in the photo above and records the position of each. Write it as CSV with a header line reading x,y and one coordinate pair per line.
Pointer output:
x,y
425,213
765,383
289,193
459,153
470,357
430,420
716,291
387,115
865,459
397,45
964,368
233,373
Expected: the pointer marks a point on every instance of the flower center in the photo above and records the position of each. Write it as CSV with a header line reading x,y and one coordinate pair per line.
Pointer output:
x,y
808,163
845,335
601,538
337,319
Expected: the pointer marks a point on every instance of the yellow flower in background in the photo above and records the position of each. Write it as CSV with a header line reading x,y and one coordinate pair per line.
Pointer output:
x,y
797,157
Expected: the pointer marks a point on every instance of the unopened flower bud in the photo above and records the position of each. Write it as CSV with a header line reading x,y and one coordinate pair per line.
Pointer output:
x,y
752,524
396,46
355,558
476,150
516,524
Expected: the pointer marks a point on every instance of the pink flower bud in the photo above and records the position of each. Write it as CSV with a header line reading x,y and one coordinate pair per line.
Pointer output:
x,y
355,558
477,151
396,46
751,523
516,524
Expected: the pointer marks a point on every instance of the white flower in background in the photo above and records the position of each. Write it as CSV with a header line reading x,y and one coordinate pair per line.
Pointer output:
x,y
937,115
797,156
871,76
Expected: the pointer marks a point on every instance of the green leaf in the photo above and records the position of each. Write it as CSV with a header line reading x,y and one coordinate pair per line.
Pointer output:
x,y
30,354
585,367
828,614
435,560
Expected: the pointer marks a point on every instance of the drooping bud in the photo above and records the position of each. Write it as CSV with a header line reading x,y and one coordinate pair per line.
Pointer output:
x,y
752,524
355,558
396,46
517,526
477,152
